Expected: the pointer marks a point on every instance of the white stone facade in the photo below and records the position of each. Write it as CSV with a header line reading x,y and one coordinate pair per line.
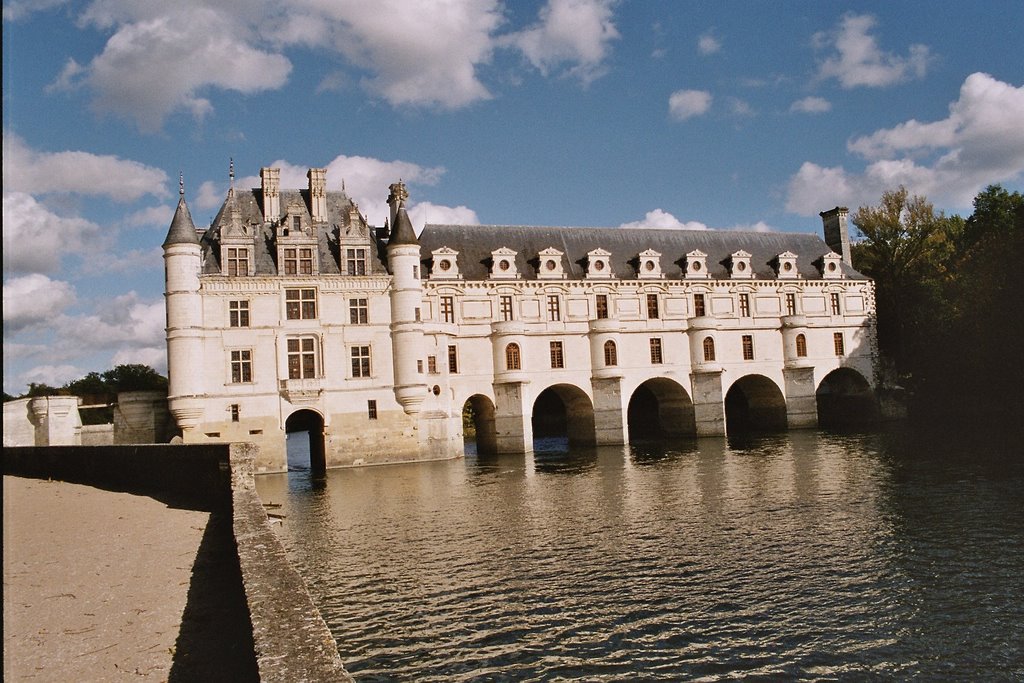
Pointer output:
x,y
382,337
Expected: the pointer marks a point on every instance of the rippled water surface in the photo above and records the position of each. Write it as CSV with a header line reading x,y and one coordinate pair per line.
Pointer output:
x,y
804,555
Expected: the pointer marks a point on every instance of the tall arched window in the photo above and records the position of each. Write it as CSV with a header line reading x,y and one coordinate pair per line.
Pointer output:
x,y
801,346
611,355
709,349
512,361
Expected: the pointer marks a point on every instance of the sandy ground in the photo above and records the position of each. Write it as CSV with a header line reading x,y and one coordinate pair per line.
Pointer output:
x,y
95,582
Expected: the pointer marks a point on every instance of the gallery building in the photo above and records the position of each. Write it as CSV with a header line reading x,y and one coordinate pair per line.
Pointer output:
x,y
291,313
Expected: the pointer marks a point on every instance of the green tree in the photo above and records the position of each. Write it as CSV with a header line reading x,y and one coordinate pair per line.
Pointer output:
x,y
134,377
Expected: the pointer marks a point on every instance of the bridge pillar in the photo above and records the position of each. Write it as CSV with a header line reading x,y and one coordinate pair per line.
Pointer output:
x,y
513,425
609,426
708,404
801,404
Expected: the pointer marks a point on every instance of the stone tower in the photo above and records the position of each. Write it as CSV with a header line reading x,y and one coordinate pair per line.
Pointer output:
x,y
182,263
837,235
406,298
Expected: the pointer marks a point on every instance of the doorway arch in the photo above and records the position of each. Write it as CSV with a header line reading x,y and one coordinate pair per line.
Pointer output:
x,y
755,404
564,410
660,408
304,441
478,424
844,398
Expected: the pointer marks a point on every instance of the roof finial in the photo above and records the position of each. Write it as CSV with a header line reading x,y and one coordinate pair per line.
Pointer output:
x,y
231,171
181,184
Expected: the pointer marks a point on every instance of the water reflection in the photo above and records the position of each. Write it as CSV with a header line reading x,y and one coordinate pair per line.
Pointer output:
x,y
800,555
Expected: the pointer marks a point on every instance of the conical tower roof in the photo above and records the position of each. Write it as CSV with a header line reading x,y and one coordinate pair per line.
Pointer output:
x,y
401,231
182,230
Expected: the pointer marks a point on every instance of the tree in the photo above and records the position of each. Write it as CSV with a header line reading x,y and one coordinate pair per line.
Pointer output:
x,y
134,377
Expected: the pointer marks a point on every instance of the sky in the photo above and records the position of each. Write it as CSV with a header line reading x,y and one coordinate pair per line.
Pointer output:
x,y
675,115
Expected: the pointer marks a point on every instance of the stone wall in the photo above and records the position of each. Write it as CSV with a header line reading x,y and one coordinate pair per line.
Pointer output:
x,y
291,640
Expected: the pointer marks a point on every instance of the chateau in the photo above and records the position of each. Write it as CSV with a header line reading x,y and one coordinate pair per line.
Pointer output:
x,y
291,313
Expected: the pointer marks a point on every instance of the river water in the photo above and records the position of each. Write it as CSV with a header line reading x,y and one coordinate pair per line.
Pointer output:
x,y
806,555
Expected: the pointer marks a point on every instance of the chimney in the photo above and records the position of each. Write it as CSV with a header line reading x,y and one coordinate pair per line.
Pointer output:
x,y
317,194
271,180
837,235
398,196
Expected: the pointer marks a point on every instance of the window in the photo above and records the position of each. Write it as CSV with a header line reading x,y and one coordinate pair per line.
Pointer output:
x,y
415,272
241,366
371,409
297,223
360,361
417,314
419,366
512,360
656,351
448,309
834,300
554,312
837,341
709,349
238,261
358,311
652,306
602,305
236,412
698,305
432,365
355,261
238,313
300,304
505,305
453,359
801,346
557,357
298,261
611,355
744,305
791,304
748,347
301,358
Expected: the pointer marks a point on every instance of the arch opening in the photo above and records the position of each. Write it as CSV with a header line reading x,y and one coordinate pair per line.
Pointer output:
x,y
845,399
563,415
660,409
478,431
304,440
754,404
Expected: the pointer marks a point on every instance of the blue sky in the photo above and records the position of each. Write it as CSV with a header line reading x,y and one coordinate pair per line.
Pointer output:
x,y
739,115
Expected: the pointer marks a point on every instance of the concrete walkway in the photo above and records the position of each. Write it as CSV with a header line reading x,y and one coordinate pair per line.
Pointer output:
x,y
95,582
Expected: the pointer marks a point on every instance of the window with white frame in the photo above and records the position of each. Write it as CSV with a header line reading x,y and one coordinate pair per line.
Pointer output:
x,y
300,304
241,366
358,311
302,358
360,361
238,313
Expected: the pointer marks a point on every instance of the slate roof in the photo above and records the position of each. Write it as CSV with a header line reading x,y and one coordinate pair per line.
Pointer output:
x,y
403,233
250,213
476,242
182,230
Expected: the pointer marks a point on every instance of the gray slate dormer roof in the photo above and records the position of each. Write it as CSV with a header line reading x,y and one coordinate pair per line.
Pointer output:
x,y
476,242
182,230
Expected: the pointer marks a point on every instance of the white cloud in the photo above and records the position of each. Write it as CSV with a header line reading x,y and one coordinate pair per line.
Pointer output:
x,y
122,180
425,212
740,107
574,33
981,142
211,196
707,44
35,238
858,61
153,356
662,220
18,9
759,226
684,104
150,216
53,375
160,57
33,299
811,105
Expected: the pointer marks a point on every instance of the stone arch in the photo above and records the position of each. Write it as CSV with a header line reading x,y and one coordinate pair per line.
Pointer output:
x,y
844,398
478,424
755,403
304,439
660,408
564,410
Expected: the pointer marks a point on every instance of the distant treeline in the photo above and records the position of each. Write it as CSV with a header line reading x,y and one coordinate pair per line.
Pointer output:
x,y
950,318
97,387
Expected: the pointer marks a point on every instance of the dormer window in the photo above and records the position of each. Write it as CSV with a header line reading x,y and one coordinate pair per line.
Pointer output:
x,y
739,265
785,266
446,264
649,264
696,265
297,260
599,264
503,264
550,264
236,261
831,266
